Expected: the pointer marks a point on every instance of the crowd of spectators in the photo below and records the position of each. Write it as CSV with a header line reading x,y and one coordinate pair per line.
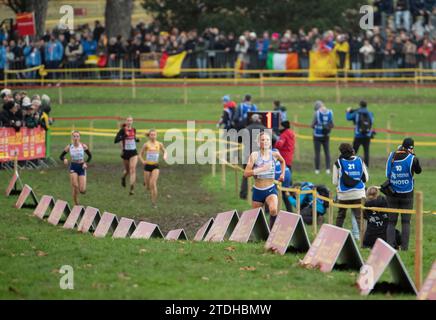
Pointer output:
x,y
19,110
404,36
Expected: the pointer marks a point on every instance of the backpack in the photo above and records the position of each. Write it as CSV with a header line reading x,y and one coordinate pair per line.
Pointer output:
x,y
364,123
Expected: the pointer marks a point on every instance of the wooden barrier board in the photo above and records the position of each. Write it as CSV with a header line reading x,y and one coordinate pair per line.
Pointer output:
x,y
90,220
428,290
146,230
383,257
252,226
223,226
177,234
333,246
12,189
44,204
24,195
60,212
74,217
125,228
108,223
288,233
204,229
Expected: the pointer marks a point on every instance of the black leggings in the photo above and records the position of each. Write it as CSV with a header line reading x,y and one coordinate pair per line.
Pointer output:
x,y
365,143
399,203
325,143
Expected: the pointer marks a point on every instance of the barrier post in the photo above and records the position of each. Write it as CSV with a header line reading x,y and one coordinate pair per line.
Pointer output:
x,y
418,238
338,92
330,212
91,136
280,197
213,169
185,91
297,147
6,78
133,85
314,212
16,162
236,180
262,88
61,100
388,135
223,175
362,221
298,200
121,72
416,82
249,191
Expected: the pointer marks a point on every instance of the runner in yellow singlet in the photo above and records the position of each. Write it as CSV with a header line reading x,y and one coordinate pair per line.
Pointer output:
x,y
152,150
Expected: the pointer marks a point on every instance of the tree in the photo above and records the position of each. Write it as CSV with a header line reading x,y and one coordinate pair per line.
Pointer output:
x,y
118,17
258,15
37,6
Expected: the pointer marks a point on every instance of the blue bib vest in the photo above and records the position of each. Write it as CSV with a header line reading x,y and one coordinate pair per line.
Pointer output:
x,y
287,181
399,173
322,120
354,169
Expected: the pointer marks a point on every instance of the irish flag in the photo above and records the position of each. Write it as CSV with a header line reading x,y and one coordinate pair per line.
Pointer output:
x,y
282,61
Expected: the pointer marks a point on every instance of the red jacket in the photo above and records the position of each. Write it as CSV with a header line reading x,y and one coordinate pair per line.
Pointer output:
x,y
286,146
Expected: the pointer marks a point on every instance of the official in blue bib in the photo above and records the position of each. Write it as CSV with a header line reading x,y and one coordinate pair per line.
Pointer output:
x,y
401,166
349,176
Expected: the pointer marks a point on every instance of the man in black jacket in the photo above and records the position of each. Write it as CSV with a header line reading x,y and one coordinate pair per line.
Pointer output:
x,y
400,168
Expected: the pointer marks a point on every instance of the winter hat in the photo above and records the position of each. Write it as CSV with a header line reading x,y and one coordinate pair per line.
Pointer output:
x,y
408,143
226,98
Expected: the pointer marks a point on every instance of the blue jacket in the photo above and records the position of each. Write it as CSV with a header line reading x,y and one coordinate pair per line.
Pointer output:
x,y
263,47
307,199
2,57
354,116
54,51
89,47
33,56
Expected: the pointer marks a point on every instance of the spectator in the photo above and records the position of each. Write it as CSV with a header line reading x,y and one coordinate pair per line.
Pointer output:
x,y
282,109
368,53
409,51
201,55
3,59
286,143
11,116
98,30
377,222
287,182
46,104
306,202
54,53
241,50
229,110
73,53
262,47
402,15
349,175
89,46
322,125
30,117
252,52
240,118
363,121
401,166
33,58
425,51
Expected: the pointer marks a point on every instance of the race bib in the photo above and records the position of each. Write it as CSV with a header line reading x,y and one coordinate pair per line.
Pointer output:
x,y
130,144
152,156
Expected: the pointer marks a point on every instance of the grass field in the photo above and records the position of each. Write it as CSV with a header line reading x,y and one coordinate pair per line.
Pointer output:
x,y
32,251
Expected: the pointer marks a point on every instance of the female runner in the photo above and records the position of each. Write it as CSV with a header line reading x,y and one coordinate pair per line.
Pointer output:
x,y
127,135
261,165
78,165
152,149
